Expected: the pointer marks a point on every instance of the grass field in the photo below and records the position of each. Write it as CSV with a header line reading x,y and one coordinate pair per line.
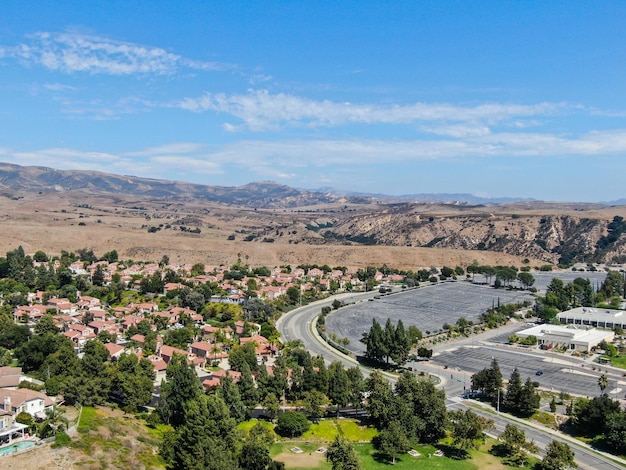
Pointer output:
x,y
322,433
371,460
619,361
325,430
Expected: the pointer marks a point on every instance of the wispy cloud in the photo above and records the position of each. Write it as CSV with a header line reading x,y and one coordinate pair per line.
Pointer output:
x,y
317,153
298,158
58,87
70,53
261,110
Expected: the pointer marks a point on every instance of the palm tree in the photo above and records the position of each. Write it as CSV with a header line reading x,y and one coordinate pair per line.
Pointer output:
x,y
54,422
603,382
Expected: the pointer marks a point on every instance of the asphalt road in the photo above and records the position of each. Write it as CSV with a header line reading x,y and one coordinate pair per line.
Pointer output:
x,y
298,324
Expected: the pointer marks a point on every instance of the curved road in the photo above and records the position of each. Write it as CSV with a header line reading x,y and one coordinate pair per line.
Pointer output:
x,y
299,324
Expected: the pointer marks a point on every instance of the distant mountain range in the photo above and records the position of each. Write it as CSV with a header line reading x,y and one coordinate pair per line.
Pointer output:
x,y
265,194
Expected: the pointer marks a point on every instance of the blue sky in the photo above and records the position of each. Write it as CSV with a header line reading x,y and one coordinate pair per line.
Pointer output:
x,y
507,98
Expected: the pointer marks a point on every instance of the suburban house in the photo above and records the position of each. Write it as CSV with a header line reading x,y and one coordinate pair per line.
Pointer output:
x,y
25,400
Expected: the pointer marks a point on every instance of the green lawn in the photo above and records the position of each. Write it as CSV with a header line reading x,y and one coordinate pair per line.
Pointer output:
x,y
370,460
619,361
247,425
89,419
327,429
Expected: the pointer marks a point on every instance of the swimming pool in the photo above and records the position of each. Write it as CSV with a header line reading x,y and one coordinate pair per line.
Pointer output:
x,y
8,450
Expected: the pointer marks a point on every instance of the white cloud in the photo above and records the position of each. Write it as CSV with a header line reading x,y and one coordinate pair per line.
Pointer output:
x,y
261,110
58,87
188,164
70,52
459,131
298,159
175,148
311,153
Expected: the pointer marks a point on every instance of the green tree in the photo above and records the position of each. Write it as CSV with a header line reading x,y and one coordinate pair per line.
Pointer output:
x,y
45,325
529,399
559,456
338,384
380,395
400,345
389,335
229,392
526,279
247,390
590,416
271,405
392,441
341,455
489,381
181,385
615,431
514,446
375,342
420,407
133,382
313,402
207,440
356,385
40,256
292,424
468,429
513,392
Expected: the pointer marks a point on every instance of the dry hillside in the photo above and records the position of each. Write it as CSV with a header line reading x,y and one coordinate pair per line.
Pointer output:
x,y
271,224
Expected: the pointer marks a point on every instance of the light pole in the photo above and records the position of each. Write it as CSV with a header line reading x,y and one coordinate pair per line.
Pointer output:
x,y
498,402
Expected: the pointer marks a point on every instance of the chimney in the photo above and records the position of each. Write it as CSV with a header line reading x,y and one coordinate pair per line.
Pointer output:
x,y
7,403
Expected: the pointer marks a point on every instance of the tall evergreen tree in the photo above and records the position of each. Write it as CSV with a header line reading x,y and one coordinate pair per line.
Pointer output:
x,y
356,385
338,384
529,399
389,336
401,345
375,343
181,385
229,392
513,391
247,390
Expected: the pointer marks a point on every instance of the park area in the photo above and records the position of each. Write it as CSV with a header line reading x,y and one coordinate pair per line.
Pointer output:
x,y
308,451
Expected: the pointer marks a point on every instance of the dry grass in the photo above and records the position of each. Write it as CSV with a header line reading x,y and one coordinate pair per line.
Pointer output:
x,y
54,222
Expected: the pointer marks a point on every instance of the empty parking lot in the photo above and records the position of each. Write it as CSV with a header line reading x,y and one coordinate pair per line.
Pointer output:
x,y
428,308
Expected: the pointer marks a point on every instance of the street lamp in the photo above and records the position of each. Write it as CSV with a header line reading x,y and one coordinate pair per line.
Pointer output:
x,y
498,402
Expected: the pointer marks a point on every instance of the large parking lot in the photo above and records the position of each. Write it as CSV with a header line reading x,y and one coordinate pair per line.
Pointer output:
x,y
428,308
558,372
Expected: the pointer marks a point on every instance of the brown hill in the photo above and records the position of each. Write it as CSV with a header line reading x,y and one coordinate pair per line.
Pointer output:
x,y
272,224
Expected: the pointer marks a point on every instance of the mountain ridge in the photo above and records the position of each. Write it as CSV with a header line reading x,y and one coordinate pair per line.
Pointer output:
x,y
266,194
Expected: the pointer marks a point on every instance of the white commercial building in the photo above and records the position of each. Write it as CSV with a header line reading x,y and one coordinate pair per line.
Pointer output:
x,y
596,317
572,338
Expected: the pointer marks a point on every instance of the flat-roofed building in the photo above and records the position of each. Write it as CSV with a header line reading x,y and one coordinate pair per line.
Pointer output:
x,y
596,317
570,337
